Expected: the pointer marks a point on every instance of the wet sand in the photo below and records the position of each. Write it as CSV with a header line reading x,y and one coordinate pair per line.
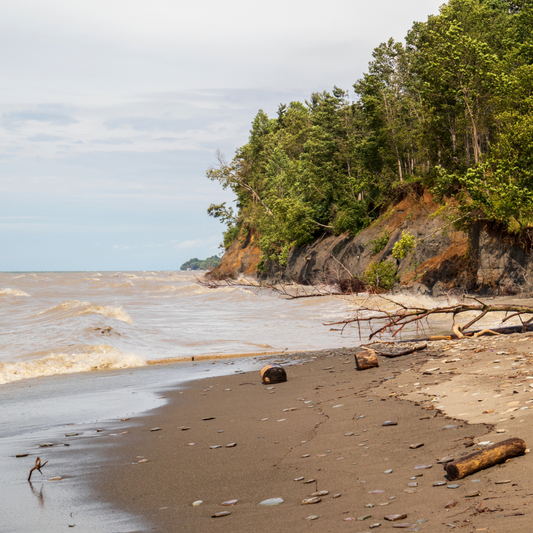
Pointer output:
x,y
325,423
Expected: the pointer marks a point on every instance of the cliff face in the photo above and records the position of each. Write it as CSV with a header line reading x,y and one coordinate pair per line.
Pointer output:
x,y
242,257
445,259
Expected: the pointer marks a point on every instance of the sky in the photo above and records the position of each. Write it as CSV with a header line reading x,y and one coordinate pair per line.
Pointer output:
x,y
111,111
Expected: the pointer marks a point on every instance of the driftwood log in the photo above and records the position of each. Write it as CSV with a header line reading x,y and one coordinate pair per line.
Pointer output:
x,y
490,456
273,373
365,360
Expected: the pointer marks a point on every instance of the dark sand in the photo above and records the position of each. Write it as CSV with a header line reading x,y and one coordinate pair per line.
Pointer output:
x,y
270,454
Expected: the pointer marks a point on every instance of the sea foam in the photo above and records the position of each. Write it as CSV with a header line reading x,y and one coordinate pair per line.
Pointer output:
x,y
92,358
13,292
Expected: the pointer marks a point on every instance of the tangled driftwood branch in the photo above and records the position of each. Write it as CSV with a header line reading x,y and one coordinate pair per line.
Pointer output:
x,y
394,321
37,466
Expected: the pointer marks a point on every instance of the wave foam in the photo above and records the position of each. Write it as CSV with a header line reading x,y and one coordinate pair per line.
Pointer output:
x,y
112,312
13,292
77,308
100,357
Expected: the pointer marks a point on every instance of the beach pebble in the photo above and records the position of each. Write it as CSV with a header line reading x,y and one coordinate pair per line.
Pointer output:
x,y
310,480
336,495
289,409
271,501
305,455
414,484
348,434
215,446
404,526
488,411
184,428
394,517
451,504
349,519
388,471
231,445
415,446
308,501
155,429
56,478
423,467
335,406
222,513
312,517
71,434
372,526
502,482
46,445
229,503
379,491
143,461
439,483
191,444
299,478
389,423
473,494
320,493
500,431
197,503
209,418
453,486
443,460
365,517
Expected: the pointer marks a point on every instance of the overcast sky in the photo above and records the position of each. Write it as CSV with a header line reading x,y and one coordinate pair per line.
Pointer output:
x,y
112,110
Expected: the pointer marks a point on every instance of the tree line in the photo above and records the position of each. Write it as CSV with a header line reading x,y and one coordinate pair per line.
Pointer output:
x,y
449,109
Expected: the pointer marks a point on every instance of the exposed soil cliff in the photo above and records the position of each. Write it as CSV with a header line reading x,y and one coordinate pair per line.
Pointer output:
x,y
485,260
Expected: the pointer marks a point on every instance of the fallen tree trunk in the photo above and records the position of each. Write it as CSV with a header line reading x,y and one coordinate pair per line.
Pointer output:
x,y
394,321
490,456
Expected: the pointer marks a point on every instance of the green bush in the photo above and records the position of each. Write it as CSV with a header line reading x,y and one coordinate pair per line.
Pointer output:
x,y
382,275
379,243
405,245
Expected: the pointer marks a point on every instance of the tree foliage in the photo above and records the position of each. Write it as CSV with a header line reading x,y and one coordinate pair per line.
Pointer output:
x,y
450,108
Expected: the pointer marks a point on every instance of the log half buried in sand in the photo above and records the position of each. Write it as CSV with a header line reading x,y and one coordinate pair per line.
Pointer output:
x,y
365,360
490,456
273,373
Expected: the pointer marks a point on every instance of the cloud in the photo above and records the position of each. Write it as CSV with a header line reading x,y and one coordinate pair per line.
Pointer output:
x,y
47,113
197,243
157,124
43,137
111,141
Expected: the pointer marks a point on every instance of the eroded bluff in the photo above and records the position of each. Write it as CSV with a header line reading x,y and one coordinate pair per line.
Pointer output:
x,y
486,260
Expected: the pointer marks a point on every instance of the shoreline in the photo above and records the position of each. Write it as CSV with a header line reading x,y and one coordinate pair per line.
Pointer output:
x,y
338,439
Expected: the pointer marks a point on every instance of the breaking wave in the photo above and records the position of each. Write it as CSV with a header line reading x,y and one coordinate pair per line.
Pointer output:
x,y
71,308
13,292
93,358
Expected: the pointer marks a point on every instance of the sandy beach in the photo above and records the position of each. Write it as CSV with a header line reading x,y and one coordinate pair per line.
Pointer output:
x,y
233,438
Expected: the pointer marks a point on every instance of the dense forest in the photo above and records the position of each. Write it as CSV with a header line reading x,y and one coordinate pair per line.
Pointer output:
x,y
449,110
201,264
